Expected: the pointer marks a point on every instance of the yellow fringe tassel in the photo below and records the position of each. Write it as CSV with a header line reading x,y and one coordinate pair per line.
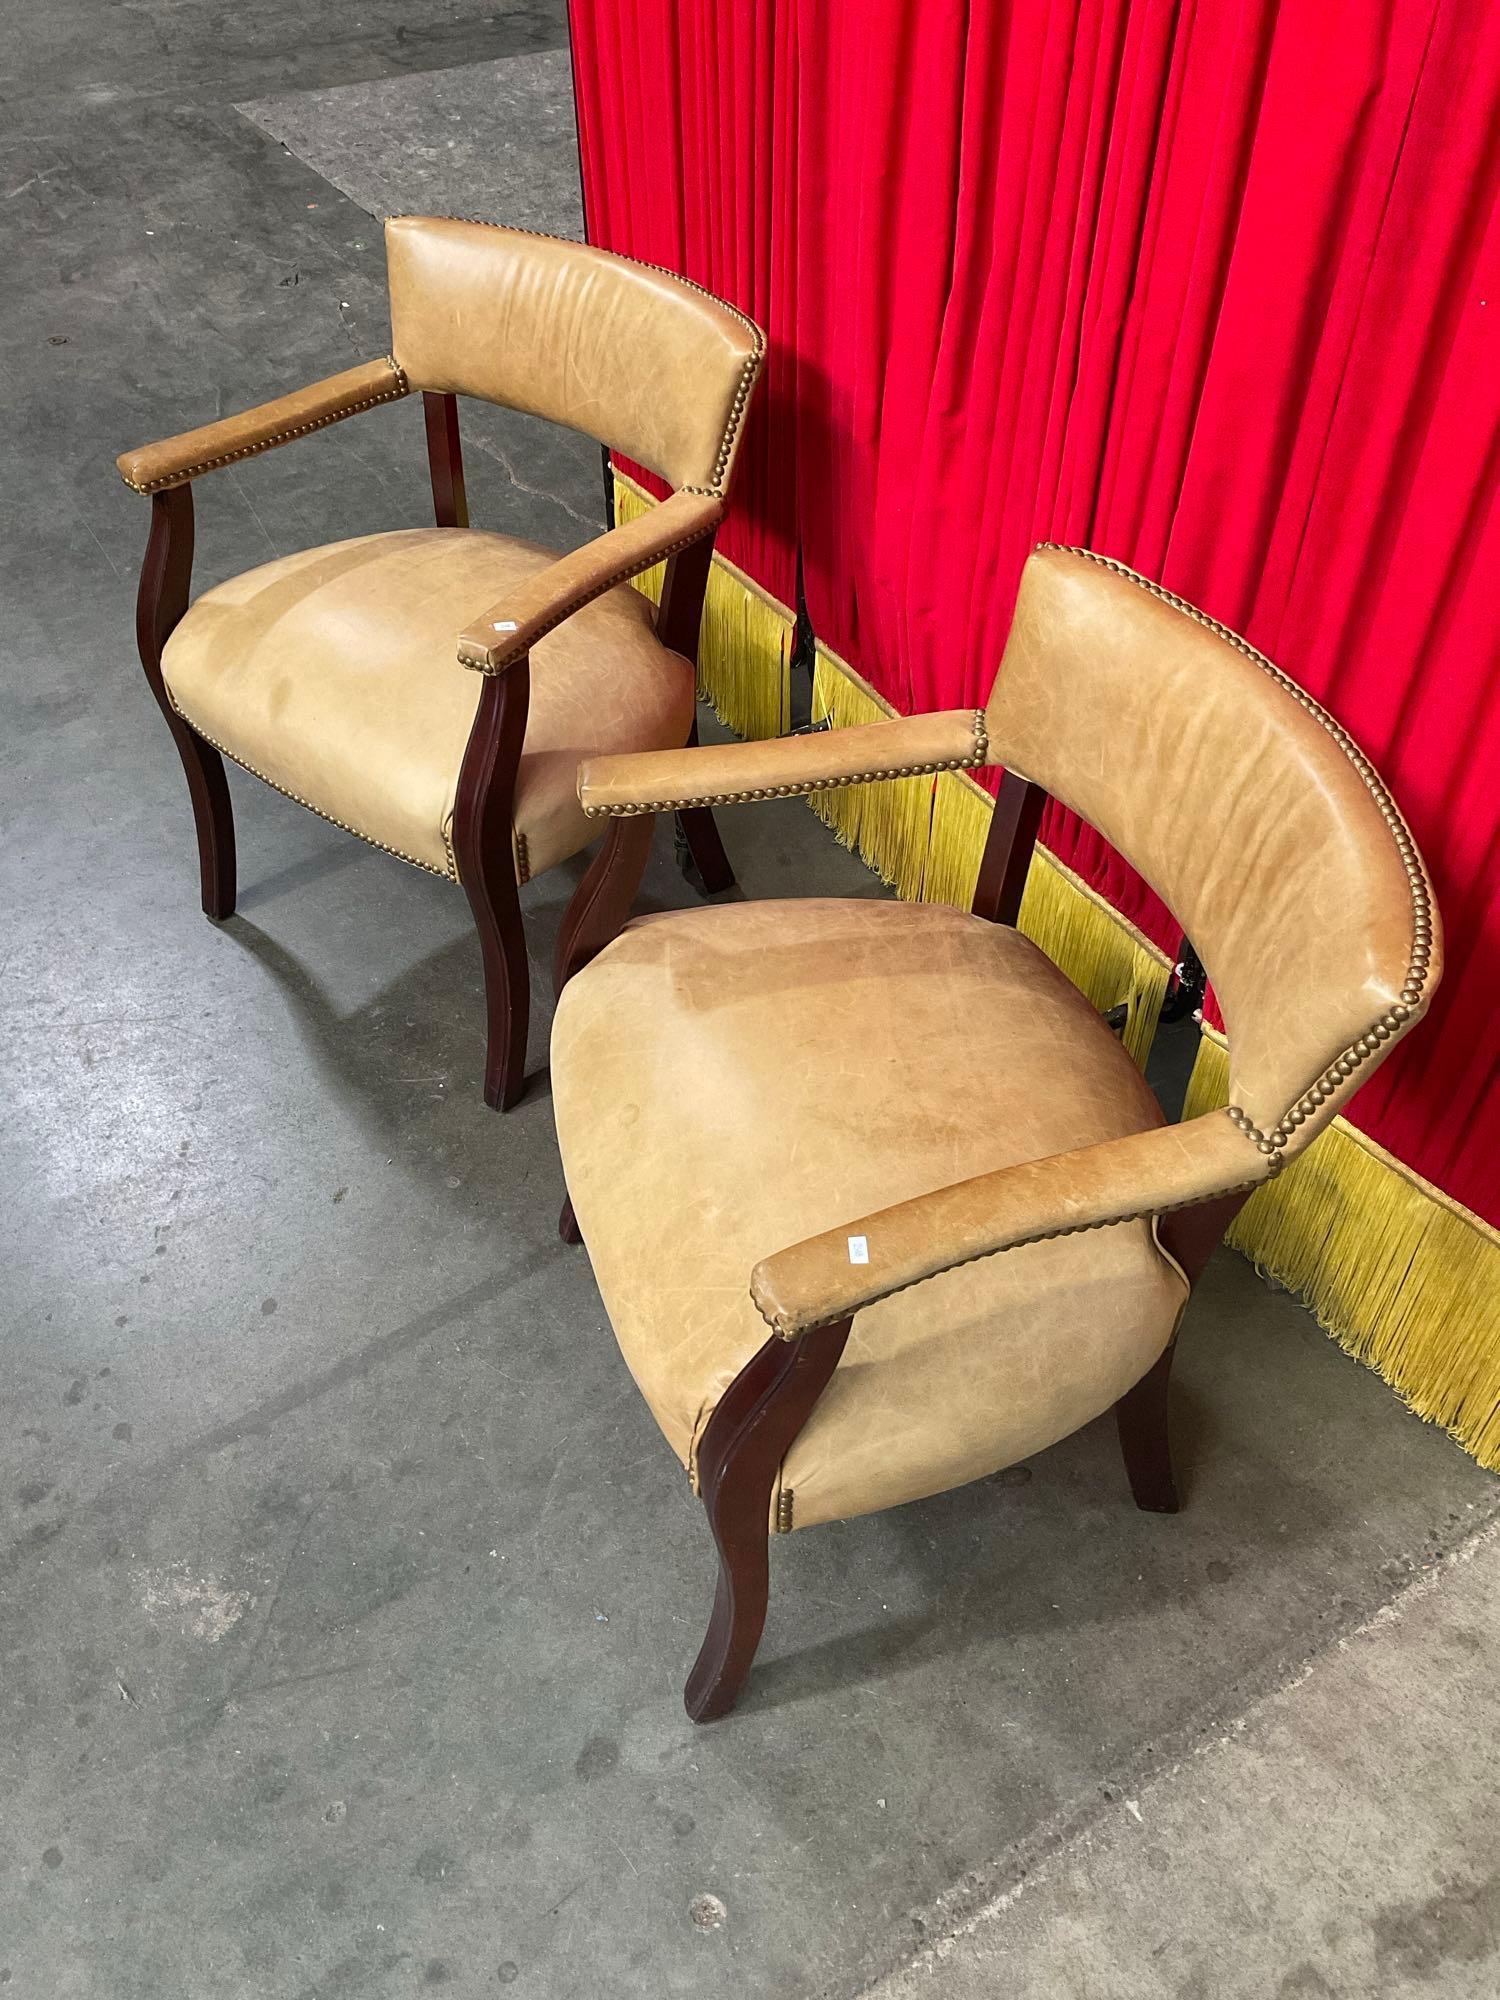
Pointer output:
x,y
887,824
1403,1277
926,839
1107,959
745,648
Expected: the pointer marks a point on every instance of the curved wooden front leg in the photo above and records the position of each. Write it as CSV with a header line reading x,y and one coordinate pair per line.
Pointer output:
x,y
748,1436
601,902
482,848
166,575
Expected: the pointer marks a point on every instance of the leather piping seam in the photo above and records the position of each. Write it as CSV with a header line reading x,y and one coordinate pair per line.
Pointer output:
x,y
186,473
491,663
748,372
1395,1017
786,1330
628,809
297,799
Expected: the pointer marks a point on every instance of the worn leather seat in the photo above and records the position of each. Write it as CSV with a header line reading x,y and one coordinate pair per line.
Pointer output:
x,y
433,692
875,1202
729,1080
330,674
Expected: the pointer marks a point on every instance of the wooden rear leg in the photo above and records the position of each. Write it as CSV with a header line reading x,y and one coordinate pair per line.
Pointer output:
x,y
748,1436
1142,1417
700,834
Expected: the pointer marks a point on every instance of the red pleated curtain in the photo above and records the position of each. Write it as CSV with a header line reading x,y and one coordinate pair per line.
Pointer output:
x,y
1209,288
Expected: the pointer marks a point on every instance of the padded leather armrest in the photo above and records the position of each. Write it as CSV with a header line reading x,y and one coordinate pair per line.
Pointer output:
x,y
176,460
1172,1166
727,774
509,629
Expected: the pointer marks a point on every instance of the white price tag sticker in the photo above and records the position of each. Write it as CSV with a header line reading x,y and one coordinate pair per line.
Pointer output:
x,y
859,1250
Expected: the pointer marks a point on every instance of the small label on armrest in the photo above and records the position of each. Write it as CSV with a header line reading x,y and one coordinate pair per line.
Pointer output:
x,y
859,1250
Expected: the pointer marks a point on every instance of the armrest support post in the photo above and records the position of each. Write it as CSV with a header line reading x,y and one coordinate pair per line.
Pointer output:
x,y
445,460
679,618
1008,849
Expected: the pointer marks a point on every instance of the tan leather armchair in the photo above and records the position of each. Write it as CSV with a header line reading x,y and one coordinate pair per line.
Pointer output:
x,y
876,1202
434,690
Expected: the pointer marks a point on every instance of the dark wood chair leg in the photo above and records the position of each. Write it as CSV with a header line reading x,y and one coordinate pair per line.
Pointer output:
x,y
1142,1415
601,902
486,867
213,816
567,1223
491,889
701,833
748,1436
166,575
1190,1237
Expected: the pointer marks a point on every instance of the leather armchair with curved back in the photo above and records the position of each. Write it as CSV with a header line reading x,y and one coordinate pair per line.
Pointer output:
x,y
876,1202
433,690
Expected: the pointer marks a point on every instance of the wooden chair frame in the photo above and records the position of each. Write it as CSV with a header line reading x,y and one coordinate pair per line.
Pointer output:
x,y
483,808
761,1413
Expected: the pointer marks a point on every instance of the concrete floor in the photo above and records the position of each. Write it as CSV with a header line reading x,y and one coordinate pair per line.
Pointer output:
x,y
347,1586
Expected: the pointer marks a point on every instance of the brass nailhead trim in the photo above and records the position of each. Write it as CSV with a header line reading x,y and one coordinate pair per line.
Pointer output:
x,y
784,1511
976,759
1271,1145
490,664
444,875
523,858
190,472
748,372
1364,1046
786,1331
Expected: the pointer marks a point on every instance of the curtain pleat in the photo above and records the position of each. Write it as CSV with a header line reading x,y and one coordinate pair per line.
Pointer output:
x,y
1210,288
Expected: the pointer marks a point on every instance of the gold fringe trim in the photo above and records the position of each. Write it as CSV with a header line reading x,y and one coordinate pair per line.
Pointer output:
x,y
745,648
886,824
1107,958
925,837
1402,1276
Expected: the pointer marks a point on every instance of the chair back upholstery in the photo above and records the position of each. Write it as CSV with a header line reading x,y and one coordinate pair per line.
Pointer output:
x,y
648,363
1247,808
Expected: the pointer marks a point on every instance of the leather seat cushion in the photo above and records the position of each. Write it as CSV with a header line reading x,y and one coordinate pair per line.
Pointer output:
x,y
333,675
731,1079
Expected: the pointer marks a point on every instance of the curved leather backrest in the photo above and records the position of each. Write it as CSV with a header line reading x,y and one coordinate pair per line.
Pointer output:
x,y
645,362
1251,813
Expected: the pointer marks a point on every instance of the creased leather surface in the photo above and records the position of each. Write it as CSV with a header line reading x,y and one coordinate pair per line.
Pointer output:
x,y
781,765
1231,800
333,674
633,357
174,460
508,629
729,1080
1148,1173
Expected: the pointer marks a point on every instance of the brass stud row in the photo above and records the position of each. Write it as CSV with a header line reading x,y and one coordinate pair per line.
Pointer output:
x,y
1418,885
748,372
190,472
